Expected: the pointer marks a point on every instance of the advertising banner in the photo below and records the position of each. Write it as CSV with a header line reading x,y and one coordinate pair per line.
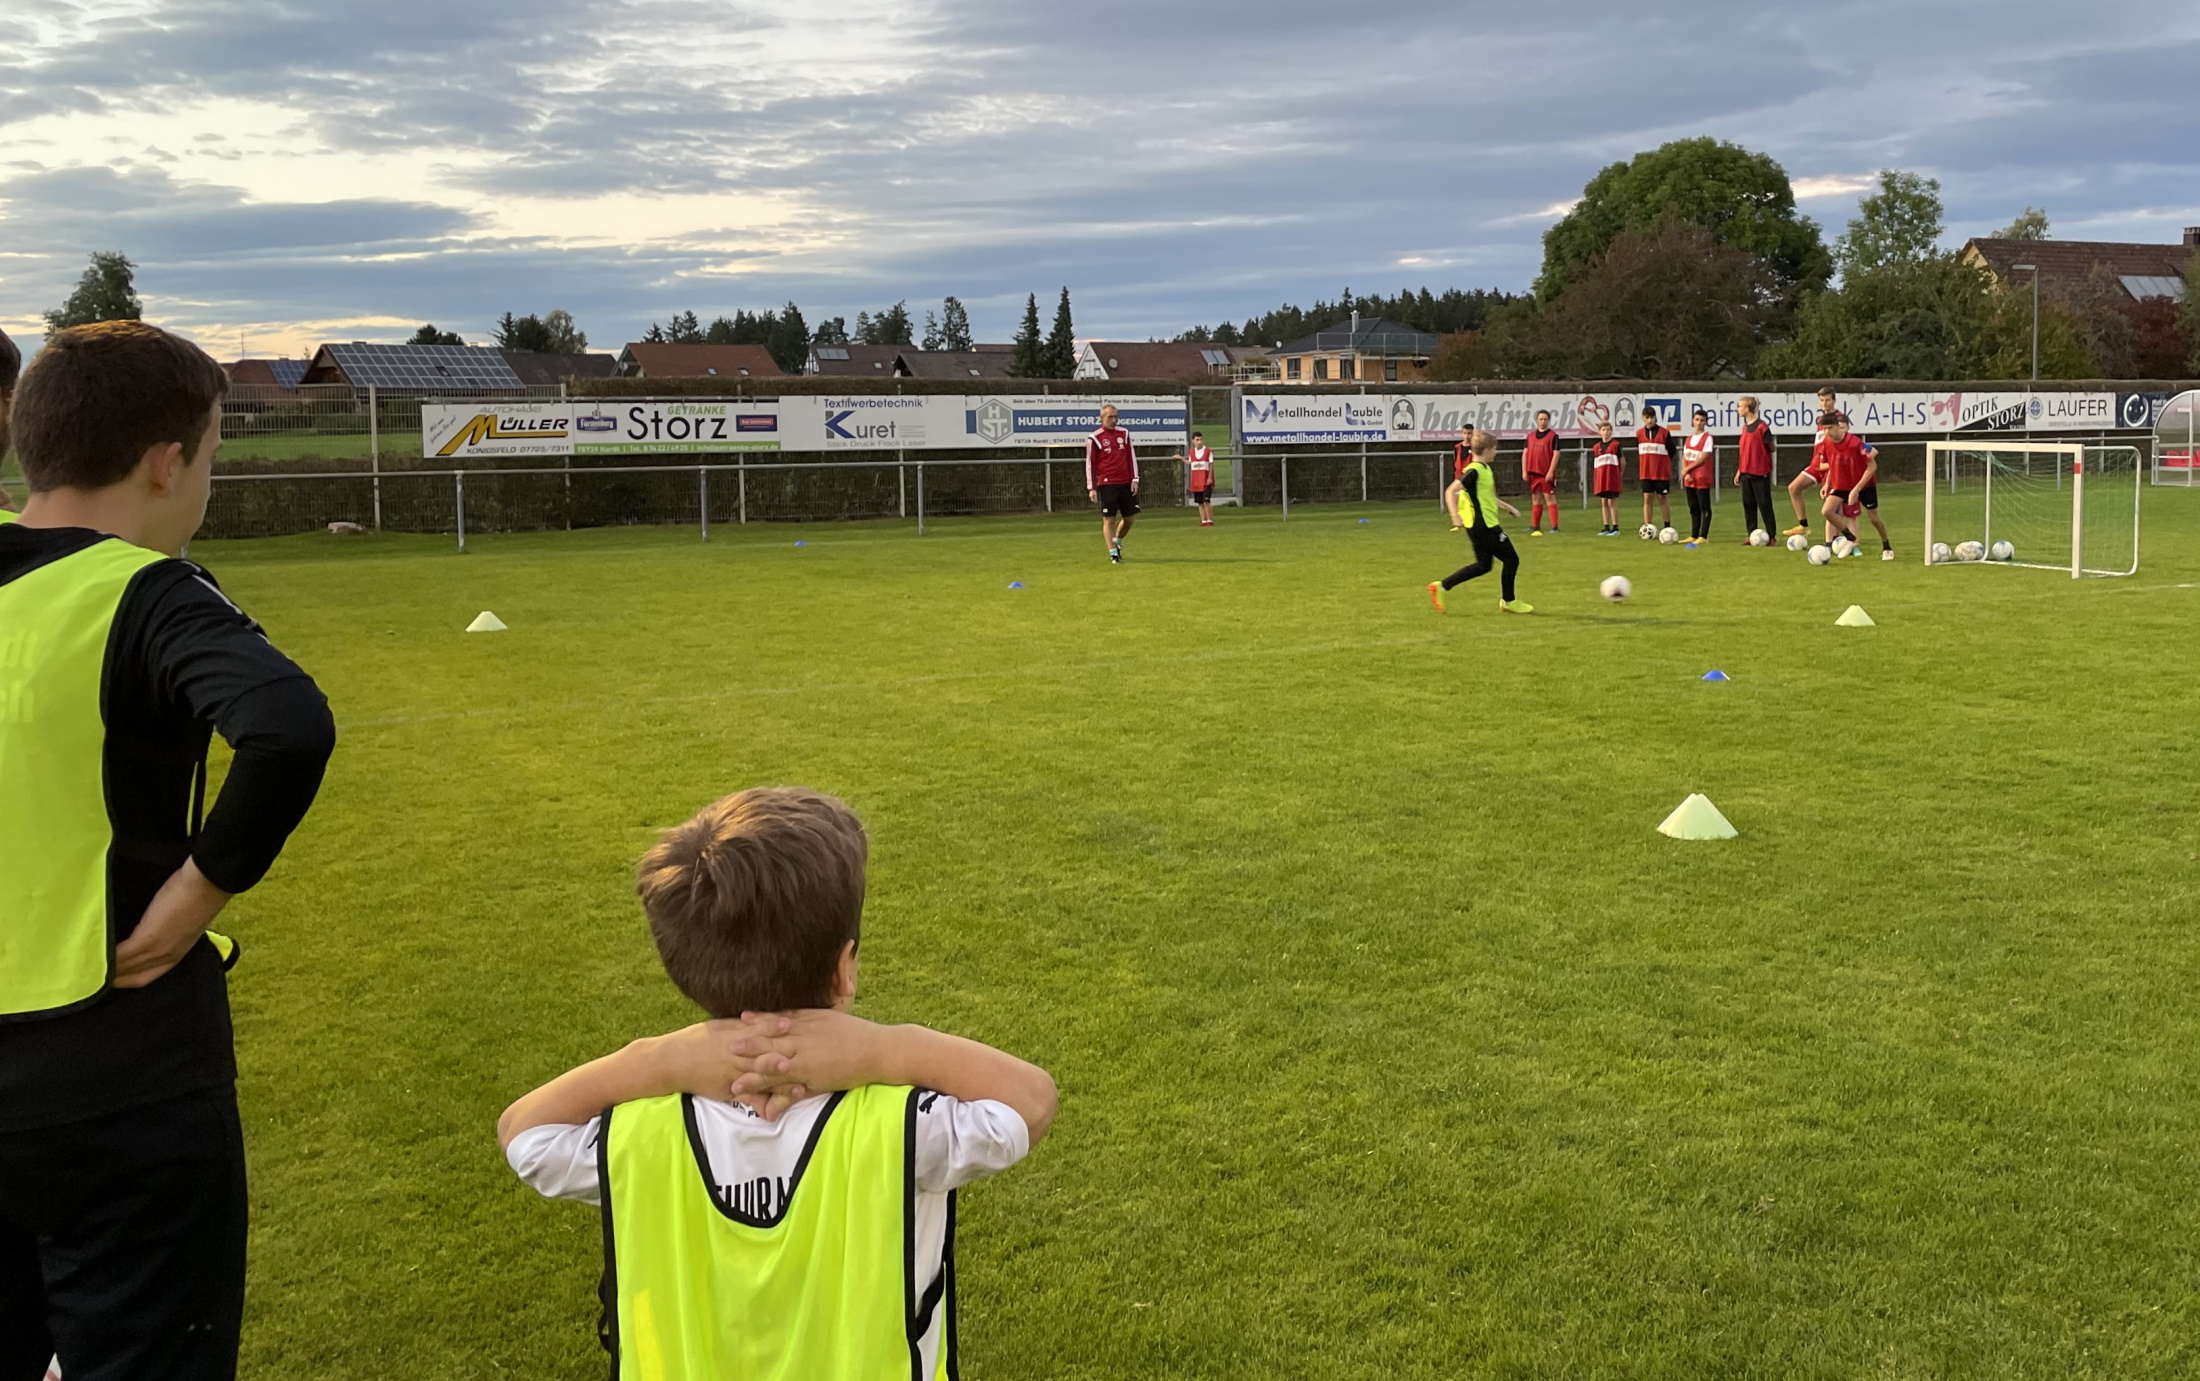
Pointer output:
x,y
673,426
458,432
1030,420
1270,419
871,422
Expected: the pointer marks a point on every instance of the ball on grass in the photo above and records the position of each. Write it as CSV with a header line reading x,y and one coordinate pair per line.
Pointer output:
x,y
1970,551
1798,542
1668,536
1820,555
1615,588
1649,532
1943,553
2004,551
1758,537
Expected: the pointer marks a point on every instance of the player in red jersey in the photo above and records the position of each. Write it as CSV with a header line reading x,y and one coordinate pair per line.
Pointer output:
x,y
1111,480
1852,475
1462,455
1539,468
1814,473
1605,459
1754,451
1654,467
1699,465
1202,463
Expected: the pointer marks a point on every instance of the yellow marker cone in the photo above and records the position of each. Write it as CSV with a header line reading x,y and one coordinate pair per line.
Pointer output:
x,y
1697,818
1855,617
485,622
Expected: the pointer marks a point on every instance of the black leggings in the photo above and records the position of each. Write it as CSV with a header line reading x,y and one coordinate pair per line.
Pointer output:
x,y
1699,513
1757,503
1490,545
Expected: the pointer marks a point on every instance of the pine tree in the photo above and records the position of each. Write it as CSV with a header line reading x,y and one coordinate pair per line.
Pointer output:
x,y
932,338
1029,361
955,326
1058,357
790,340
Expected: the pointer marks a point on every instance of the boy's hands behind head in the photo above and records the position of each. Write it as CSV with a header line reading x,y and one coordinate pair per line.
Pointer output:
x,y
792,1055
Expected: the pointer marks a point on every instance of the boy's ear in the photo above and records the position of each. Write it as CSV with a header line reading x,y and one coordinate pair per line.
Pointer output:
x,y
844,973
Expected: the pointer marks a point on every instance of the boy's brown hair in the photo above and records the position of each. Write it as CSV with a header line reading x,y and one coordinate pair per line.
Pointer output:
x,y
99,397
1485,444
752,901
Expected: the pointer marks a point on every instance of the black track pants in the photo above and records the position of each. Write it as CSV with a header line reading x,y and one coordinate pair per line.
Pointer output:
x,y
1491,545
1757,504
1699,512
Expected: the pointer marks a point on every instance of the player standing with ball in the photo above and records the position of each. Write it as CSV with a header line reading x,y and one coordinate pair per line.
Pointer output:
x,y
1111,480
1754,450
1605,459
1654,467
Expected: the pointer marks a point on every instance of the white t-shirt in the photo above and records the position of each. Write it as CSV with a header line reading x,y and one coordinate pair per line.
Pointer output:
x,y
751,1162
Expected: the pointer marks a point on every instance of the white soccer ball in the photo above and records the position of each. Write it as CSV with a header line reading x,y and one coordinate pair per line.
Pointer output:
x,y
1970,551
1798,542
2004,551
1758,537
1649,532
1668,536
1843,548
1820,555
1942,553
1615,588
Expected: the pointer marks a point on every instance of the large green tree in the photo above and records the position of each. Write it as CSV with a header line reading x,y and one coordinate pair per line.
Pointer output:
x,y
1742,198
553,333
1058,357
1029,360
106,292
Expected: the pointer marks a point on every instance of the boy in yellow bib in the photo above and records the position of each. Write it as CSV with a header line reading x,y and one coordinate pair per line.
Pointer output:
x,y
777,1184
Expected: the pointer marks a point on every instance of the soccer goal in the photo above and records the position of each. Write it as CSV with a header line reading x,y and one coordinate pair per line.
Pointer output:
x,y
2057,507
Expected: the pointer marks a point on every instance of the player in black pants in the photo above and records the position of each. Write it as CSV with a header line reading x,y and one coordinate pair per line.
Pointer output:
x,y
1478,509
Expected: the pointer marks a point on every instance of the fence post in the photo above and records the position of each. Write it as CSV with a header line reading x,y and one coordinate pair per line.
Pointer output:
x,y
1363,471
374,452
460,477
1283,476
1047,465
743,472
901,479
920,498
702,485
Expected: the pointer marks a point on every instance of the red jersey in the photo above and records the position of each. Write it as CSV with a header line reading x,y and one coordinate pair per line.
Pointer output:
x,y
1843,462
1755,448
1109,458
1653,453
1541,454
1699,477
1604,457
1461,457
1202,462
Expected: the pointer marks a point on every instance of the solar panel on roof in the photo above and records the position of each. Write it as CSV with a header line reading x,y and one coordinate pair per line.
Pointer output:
x,y
287,372
832,352
427,367
2146,285
1216,357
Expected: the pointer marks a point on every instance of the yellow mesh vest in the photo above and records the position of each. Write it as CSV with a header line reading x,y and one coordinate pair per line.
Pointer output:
x,y
828,1292
55,950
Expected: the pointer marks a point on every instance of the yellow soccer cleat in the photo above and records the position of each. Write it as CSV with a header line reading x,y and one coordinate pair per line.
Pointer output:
x,y
1436,594
1515,606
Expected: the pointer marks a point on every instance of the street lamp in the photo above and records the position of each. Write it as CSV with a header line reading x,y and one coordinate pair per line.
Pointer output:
x,y
2034,270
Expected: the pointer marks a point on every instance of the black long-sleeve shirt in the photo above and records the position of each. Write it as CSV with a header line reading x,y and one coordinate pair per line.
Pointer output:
x,y
182,662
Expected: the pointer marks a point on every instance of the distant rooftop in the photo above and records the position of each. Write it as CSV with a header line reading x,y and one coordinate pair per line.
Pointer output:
x,y
413,368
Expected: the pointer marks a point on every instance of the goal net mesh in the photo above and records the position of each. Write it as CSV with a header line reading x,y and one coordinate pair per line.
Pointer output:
x,y
2027,496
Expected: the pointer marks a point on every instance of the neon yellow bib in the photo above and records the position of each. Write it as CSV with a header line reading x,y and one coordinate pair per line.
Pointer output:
x,y
55,949
826,1292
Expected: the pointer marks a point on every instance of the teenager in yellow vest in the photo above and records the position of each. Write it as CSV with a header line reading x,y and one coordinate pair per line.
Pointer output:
x,y
122,1228
777,1191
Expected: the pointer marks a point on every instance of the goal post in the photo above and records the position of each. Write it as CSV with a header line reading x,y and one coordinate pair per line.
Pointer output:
x,y
2059,506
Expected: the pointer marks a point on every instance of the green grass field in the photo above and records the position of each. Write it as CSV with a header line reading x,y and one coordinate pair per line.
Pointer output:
x,y
1393,1040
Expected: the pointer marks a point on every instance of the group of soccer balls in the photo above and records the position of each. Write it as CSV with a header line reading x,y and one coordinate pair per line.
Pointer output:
x,y
1973,551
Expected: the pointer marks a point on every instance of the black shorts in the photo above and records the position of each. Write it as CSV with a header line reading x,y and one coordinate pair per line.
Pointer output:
x,y
1868,496
1657,486
1203,496
1117,500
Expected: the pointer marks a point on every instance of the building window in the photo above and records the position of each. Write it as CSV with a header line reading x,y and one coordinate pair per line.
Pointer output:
x,y
1390,371
1291,367
1321,369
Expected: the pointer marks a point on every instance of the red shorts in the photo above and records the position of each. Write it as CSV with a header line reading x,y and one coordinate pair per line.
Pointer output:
x,y
1541,484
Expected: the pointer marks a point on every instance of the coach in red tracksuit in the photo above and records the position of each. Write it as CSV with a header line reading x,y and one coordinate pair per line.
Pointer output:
x,y
1111,480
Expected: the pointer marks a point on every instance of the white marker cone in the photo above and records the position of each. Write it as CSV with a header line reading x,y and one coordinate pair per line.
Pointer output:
x,y
1697,818
1855,617
485,622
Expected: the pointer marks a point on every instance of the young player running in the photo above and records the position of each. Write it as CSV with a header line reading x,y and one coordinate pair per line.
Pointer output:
x,y
1539,468
1852,473
1654,467
1461,455
1812,473
1111,480
1605,460
1202,463
1753,469
1699,460
1479,505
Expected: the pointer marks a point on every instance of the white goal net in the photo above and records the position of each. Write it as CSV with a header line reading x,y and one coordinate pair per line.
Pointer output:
x,y
2058,507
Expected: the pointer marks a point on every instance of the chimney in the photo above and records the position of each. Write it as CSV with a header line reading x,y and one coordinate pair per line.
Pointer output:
x,y
1355,323
2192,237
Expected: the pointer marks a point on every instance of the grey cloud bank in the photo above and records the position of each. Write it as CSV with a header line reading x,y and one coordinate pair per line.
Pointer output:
x,y
294,170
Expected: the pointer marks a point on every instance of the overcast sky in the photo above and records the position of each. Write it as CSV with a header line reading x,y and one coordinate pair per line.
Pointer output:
x,y
287,171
